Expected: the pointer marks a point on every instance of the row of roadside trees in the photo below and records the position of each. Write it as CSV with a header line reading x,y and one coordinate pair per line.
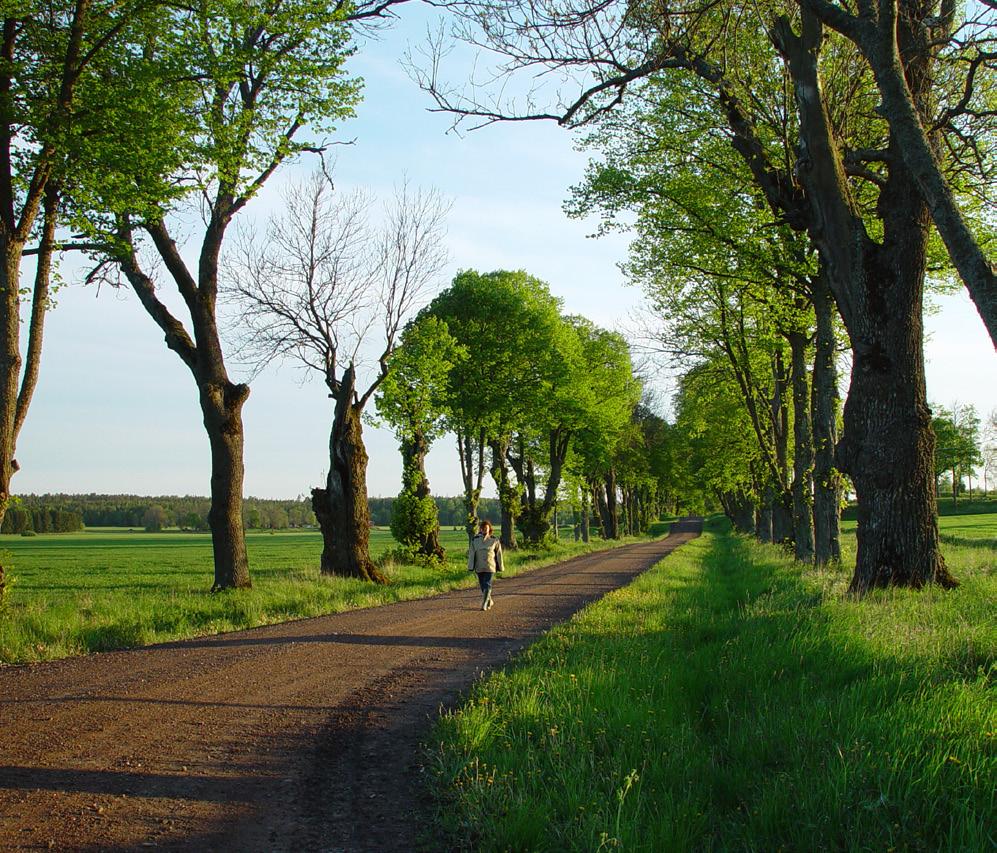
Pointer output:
x,y
816,159
965,447
541,401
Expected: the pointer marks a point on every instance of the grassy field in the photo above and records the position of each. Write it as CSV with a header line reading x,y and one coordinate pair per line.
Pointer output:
x,y
966,505
111,589
728,700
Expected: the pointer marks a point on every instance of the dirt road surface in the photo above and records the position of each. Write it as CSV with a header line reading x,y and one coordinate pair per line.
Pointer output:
x,y
295,737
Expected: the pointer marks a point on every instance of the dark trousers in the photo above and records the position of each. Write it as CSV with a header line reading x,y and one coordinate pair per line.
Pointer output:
x,y
485,581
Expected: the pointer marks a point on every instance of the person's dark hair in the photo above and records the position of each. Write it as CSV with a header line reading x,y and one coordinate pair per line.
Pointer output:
x,y
483,524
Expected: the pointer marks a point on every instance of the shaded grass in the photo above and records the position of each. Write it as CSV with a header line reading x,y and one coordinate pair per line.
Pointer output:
x,y
727,700
110,589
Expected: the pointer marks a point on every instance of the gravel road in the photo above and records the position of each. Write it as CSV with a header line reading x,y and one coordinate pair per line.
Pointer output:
x,y
295,737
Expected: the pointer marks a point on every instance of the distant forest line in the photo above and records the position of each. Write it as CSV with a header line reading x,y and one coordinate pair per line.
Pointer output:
x,y
62,513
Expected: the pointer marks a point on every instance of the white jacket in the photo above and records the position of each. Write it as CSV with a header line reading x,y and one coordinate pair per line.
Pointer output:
x,y
484,555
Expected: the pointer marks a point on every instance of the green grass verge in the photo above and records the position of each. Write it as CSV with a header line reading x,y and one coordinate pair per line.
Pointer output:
x,y
110,589
728,700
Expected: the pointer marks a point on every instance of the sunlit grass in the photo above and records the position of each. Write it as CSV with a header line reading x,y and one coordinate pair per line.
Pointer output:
x,y
728,700
100,590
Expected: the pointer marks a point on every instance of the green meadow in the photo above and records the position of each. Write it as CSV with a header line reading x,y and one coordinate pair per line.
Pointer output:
x,y
731,700
103,589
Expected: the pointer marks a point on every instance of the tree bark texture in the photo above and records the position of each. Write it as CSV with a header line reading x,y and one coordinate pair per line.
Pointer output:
x,y
888,445
824,404
221,406
346,531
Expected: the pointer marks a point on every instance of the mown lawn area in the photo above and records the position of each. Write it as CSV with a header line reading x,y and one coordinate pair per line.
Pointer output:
x,y
107,589
730,700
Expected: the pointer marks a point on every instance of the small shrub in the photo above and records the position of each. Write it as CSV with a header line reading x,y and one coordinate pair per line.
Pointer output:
x,y
398,556
659,528
28,533
403,555
546,544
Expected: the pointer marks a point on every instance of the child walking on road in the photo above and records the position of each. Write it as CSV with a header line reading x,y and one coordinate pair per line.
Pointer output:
x,y
484,556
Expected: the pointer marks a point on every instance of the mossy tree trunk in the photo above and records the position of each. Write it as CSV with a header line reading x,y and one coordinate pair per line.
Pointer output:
x,y
416,483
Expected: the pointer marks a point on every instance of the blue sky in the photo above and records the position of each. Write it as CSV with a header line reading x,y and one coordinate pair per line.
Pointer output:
x,y
115,411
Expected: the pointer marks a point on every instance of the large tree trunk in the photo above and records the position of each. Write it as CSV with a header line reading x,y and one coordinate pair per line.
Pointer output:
x,y
824,403
534,525
534,517
888,446
346,529
221,400
221,406
803,532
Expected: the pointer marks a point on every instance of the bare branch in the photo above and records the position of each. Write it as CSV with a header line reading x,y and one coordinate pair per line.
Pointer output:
x,y
324,279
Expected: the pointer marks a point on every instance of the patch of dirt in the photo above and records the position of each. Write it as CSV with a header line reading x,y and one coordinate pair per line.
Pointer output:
x,y
300,736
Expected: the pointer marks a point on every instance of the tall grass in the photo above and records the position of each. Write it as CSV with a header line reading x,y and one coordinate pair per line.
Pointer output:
x,y
76,593
728,700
